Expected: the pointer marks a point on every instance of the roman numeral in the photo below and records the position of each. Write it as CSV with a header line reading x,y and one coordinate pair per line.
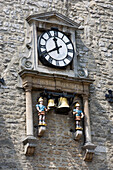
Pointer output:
x,y
44,38
44,53
68,43
42,46
64,62
70,50
62,37
57,63
50,60
55,33
49,34
69,57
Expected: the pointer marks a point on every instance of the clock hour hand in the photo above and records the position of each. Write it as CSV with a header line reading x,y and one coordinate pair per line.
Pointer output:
x,y
55,40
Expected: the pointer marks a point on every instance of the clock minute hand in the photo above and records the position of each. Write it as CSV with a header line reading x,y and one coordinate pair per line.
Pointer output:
x,y
54,49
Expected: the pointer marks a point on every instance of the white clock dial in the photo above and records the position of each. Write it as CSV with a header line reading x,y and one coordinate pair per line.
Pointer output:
x,y
55,49
62,49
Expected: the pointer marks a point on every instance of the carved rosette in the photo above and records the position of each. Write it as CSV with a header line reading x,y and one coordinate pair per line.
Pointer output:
x,y
82,72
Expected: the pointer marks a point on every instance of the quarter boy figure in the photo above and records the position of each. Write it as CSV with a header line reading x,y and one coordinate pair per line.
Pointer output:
x,y
78,114
41,111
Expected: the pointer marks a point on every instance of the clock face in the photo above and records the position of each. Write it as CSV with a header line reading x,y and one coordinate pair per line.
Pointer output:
x,y
55,48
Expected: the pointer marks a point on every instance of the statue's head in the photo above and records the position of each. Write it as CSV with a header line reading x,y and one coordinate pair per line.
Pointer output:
x,y
40,100
77,105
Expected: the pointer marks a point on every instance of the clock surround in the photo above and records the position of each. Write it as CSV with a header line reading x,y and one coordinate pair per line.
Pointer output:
x,y
37,25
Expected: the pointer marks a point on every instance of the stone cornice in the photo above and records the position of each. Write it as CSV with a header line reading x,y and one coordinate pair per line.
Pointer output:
x,y
26,72
44,17
39,80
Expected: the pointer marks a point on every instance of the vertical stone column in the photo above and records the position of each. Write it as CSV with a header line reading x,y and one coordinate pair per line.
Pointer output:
x,y
30,141
89,146
87,119
29,114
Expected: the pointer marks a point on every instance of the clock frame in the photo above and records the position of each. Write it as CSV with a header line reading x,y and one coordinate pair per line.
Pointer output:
x,y
55,48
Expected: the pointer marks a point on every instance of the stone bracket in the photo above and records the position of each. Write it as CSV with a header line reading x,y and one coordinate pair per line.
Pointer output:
x,y
88,155
89,151
77,134
29,145
41,130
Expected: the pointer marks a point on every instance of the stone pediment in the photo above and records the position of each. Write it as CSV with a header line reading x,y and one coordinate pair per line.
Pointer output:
x,y
53,17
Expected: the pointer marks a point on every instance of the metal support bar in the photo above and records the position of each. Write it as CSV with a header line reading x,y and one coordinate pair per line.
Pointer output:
x,y
56,95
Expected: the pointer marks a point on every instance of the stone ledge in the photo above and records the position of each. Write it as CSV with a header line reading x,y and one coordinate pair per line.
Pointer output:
x,y
89,145
33,73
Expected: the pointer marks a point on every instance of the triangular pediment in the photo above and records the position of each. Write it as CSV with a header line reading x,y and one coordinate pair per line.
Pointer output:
x,y
53,17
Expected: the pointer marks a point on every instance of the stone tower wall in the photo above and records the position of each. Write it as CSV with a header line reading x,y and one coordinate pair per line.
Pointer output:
x,y
57,149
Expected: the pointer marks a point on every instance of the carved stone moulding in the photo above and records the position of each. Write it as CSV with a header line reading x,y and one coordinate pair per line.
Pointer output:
x,y
51,18
89,151
29,144
55,82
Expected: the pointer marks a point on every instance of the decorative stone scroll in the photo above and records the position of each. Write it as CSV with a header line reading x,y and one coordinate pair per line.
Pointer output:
x,y
26,61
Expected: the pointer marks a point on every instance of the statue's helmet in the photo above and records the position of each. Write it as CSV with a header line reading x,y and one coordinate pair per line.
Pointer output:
x,y
40,99
77,105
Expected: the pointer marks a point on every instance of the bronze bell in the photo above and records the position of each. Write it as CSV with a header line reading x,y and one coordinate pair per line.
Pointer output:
x,y
51,104
63,106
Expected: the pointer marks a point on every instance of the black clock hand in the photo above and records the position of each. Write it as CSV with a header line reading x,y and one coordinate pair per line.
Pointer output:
x,y
54,49
55,40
